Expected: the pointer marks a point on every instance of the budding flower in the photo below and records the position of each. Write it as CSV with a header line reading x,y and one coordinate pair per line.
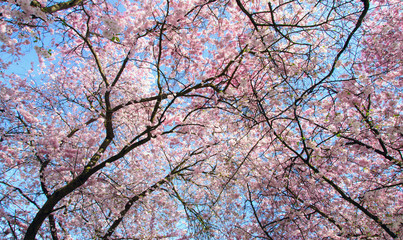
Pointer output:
x,y
112,27
42,52
338,118
355,127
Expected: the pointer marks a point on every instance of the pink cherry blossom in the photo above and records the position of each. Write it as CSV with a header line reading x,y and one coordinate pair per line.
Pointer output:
x,y
201,119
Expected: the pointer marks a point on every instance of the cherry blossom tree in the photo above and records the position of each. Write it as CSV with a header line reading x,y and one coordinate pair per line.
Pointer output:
x,y
216,119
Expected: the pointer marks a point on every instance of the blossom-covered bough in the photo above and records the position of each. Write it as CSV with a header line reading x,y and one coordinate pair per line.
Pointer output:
x,y
215,119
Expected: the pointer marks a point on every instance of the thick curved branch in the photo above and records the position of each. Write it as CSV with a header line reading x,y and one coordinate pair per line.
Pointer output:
x,y
57,7
88,171
241,6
